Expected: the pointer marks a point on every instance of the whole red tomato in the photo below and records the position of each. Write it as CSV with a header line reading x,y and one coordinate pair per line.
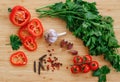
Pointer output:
x,y
94,65
77,60
85,68
87,59
75,69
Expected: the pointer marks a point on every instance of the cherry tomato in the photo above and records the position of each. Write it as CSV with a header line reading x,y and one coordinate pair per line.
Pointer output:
x,y
87,59
77,60
75,69
23,32
35,28
30,44
85,68
19,16
94,65
18,58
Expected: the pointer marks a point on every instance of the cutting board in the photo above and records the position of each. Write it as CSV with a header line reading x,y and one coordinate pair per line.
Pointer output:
x,y
10,73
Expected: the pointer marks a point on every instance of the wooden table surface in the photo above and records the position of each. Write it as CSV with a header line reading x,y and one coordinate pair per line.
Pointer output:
x,y
10,73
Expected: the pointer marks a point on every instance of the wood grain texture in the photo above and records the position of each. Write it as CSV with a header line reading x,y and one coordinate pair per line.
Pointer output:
x,y
9,73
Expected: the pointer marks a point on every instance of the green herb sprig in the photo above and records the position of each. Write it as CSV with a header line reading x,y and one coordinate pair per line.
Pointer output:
x,y
15,42
85,22
101,73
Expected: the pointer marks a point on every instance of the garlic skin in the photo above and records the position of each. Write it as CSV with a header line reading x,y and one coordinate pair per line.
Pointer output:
x,y
52,40
51,35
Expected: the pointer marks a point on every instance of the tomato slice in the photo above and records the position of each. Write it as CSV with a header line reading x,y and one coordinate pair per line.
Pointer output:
x,y
30,44
23,32
19,16
35,28
18,58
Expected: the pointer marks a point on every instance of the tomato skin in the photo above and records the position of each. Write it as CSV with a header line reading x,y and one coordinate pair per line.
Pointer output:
x,y
77,60
30,44
85,68
15,59
94,65
87,59
35,27
75,69
19,16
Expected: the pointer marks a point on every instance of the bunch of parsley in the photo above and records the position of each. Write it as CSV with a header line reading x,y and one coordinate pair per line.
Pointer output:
x,y
85,22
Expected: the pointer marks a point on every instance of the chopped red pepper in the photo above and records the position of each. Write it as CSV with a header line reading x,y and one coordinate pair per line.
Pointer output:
x,y
19,16
23,32
18,58
35,28
30,44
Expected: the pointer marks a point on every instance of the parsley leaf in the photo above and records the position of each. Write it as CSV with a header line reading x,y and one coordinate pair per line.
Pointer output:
x,y
101,73
15,42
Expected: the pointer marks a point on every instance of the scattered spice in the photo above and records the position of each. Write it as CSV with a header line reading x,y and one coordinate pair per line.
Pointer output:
x,y
66,67
50,54
34,66
49,45
44,61
49,51
48,67
39,66
42,57
52,49
51,62
55,58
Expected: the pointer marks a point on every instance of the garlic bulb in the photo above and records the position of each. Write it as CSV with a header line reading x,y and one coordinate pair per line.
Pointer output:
x,y
51,35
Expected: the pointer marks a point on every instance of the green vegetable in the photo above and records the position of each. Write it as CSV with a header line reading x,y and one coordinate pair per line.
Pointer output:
x,y
101,73
85,22
15,42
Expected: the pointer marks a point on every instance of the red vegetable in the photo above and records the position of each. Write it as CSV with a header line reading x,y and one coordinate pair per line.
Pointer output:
x,y
73,52
94,65
19,16
75,69
23,32
18,58
85,68
87,59
30,44
77,60
35,28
